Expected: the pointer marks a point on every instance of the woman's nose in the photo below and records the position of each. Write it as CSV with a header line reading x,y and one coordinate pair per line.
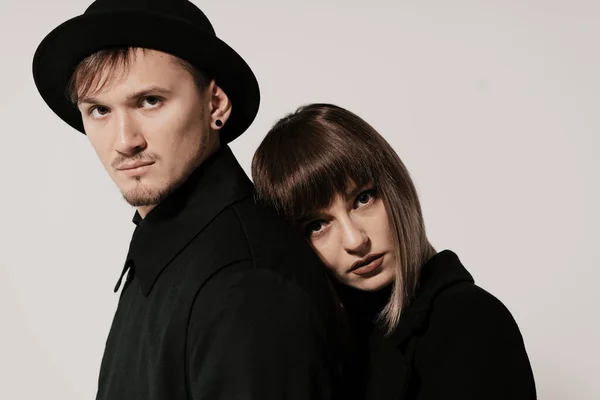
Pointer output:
x,y
354,239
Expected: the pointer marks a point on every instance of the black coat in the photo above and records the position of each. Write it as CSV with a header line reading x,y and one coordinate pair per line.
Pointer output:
x,y
455,341
222,301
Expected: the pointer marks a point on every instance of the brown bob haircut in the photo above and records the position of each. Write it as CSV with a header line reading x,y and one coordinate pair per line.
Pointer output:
x,y
321,150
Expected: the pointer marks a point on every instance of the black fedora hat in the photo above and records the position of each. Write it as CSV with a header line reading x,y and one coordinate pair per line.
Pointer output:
x,y
176,27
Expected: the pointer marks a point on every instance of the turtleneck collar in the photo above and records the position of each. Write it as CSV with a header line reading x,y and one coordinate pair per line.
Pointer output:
x,y
363,306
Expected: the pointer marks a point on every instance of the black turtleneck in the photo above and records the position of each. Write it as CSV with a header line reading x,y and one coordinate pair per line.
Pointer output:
x,y
363,306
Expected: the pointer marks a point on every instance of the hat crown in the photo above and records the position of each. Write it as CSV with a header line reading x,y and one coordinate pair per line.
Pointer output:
x,y
176,27
183,9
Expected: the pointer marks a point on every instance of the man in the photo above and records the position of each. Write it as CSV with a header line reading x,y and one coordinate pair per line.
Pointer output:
x,y
221,300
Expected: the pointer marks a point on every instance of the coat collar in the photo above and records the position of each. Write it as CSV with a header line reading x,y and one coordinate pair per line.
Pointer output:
x,y
392,356
169,227
441,271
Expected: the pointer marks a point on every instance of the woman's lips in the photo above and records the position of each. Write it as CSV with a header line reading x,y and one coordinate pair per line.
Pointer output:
x,y
370,267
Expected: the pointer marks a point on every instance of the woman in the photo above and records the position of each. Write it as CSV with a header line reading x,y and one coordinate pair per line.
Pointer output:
x,y
429,332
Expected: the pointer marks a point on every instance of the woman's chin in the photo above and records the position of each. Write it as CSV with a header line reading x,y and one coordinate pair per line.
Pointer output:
x,y
372,283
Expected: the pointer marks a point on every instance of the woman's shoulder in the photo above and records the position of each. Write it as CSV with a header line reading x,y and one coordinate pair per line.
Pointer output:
x,y
470,345
465,343
468,310
467,297
451,301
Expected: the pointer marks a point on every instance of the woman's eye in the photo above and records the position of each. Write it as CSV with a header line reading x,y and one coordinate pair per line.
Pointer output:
x,y
151,101
314,227
364,198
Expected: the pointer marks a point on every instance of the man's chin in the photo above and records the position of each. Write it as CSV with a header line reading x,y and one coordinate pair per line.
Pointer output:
x,y
140,202
142,196
148,191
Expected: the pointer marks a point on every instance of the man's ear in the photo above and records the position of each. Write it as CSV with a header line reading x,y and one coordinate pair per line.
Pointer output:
x,y
220,106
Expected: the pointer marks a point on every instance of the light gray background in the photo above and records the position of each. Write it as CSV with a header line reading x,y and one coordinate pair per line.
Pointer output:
x,y
493,105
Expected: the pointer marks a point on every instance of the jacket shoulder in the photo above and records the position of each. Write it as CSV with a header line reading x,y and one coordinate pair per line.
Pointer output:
x,y
466,306
262,222
471,348
469,322
248,231
273,243
276,246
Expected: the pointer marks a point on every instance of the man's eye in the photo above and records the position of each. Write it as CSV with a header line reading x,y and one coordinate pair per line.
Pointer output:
x,y
98,111
151,101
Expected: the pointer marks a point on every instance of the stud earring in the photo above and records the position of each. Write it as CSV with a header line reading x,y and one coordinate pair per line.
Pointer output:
x,y
219,123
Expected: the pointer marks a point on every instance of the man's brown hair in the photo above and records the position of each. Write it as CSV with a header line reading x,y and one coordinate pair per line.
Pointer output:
x,y
105,66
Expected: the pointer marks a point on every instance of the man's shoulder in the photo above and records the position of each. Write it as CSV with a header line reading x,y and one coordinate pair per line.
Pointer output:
x,y
248,242
248,231
279,258
243,280
262,222
272,242
255,224
243,291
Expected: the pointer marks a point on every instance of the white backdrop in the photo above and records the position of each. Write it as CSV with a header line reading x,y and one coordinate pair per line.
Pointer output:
x,y
493,106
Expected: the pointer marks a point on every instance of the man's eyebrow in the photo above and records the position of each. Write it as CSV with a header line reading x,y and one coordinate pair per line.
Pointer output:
x,y
147,92
132,96
87,100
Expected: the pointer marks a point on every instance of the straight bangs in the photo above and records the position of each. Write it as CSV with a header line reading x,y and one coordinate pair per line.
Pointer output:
x,y
314,163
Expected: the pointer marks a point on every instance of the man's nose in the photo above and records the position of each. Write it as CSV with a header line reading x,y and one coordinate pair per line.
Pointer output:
x,y
129,139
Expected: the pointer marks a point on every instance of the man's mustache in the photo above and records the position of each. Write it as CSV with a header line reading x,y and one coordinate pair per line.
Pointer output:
x,y
121,160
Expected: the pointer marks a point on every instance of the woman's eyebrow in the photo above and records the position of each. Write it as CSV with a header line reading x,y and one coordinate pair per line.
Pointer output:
x,y
307,218
352,193
321,213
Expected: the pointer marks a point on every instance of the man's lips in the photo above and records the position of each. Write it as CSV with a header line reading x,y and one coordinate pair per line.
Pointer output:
x,y
137,164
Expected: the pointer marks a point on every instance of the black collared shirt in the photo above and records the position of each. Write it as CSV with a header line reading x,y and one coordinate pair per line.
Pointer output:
x,y
222,301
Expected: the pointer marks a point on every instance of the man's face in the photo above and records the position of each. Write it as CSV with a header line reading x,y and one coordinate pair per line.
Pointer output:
x,y
151,128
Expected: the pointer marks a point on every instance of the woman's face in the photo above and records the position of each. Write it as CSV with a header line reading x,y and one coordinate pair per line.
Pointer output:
x,y
353,239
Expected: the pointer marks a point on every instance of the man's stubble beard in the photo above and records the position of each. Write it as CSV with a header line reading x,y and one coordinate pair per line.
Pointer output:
x,y
142,196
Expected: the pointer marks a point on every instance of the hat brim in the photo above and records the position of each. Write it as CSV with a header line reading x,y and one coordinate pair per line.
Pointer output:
x,y
60,52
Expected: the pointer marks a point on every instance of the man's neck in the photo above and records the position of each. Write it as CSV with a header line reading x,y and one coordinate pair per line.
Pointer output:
x,y
144,210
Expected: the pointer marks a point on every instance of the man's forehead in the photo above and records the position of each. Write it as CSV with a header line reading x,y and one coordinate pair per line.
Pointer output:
x,y
149,65
158,72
